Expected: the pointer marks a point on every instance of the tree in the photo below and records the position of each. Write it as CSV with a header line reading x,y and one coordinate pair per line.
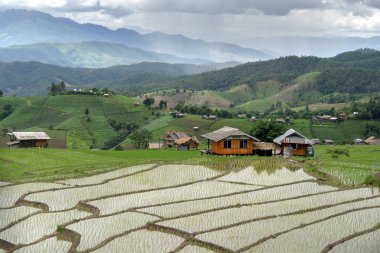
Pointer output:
x,y
163,104
55,89
148,102
1,93
267,130
87,112
140,138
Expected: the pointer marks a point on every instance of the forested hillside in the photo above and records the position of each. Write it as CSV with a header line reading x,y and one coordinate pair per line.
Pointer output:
x,y
294,80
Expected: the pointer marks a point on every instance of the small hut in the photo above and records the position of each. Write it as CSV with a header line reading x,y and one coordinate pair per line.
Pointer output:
x,y
293,141
28,140
187,143
328,142
372,140
171,137
265,149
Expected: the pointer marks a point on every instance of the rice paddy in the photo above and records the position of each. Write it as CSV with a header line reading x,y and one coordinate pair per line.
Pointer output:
x,y
189,208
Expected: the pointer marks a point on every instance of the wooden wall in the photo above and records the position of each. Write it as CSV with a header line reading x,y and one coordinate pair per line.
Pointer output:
x,y
300,151
218,148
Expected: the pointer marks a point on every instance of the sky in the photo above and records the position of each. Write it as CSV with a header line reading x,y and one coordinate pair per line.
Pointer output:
x,y
235,21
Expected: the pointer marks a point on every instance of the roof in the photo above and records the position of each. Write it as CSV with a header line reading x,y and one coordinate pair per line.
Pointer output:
x,y
30,135
328,140
185,140
292,136
372,140
264,145
225,132
11,143
175,135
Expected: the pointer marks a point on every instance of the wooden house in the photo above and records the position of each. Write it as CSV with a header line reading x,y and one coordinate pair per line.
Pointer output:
x,y
294,141
230,141
171,137
187,143
28,140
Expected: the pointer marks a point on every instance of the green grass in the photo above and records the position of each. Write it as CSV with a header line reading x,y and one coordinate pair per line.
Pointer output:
x,y
257,105
21,165
344,132
66,113
303,126
363,162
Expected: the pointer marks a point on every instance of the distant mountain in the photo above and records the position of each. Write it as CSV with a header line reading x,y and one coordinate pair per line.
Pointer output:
x,y
337,79
342,78
86,54
317,46
21,27
33,78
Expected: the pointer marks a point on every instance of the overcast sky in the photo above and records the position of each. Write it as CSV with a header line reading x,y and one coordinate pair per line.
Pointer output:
x,y
236,21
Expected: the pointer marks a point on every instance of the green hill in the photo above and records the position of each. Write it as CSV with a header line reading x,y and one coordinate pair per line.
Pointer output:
x,y
64,118
33,78
296,81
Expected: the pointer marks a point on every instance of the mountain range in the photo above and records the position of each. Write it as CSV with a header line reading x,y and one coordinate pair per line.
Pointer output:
x,y
340,78
22,27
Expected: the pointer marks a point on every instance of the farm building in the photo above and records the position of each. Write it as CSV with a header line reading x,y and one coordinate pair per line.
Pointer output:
x,y
230,141
172,136
28,140
187,143
265,149
328,142
293,141
372,140
358,141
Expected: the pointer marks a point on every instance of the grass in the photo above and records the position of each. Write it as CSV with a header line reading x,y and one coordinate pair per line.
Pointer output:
x,y
18,165
257,105
344,132
66,113
303,126
354,170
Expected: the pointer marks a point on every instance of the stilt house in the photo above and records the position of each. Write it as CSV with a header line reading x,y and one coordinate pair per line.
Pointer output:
x,y
297,143
230,141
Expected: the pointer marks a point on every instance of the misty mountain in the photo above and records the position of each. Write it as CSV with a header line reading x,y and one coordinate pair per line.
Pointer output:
x,y
21,27
317,46
86,54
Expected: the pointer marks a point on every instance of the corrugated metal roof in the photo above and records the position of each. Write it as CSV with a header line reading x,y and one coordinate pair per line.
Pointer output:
x,y
225,132
290,136
30,136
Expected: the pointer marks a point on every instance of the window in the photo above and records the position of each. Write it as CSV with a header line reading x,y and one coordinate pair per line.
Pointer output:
x,y
243,144
294,146
227,144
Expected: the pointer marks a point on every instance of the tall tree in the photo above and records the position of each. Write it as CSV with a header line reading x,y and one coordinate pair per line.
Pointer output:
x,y
267,130
148,102
140,138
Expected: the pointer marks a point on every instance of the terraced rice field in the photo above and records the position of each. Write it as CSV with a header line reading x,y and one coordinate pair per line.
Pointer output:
x,y
186,208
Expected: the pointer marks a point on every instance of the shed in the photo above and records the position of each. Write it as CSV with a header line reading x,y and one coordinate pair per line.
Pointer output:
x,y
372,140
265,148
187,143
28,140
328,142
172,136
358,141
230,141
294,140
